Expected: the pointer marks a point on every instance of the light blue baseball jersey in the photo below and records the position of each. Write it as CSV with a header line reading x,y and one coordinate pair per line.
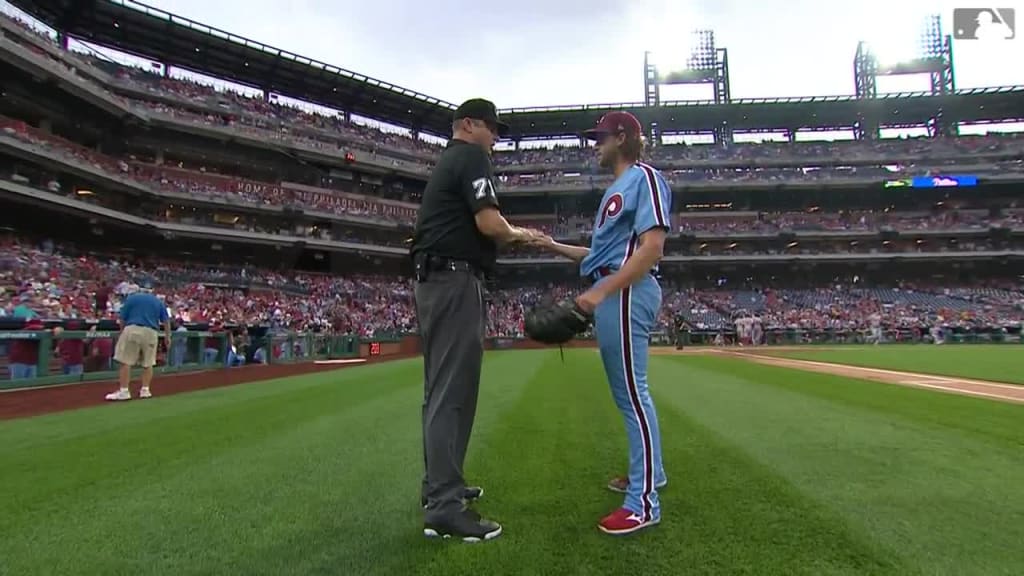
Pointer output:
x,y
638,200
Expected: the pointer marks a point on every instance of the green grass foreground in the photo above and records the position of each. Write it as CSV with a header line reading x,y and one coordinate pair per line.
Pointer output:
x,y
771,471
995,362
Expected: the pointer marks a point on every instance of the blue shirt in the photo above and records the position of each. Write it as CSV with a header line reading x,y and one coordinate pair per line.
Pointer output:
x,y
143,309
22,311
639,200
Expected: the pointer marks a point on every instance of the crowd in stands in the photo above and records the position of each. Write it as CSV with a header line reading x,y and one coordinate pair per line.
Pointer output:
x,y
202,185
62,282
739,247
270,118
264,114
254,111
754,152
853,308
57,282
283,122
847,221
205,184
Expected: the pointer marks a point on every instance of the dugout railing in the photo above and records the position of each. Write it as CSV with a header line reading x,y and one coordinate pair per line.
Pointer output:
x,y
794,337
30,358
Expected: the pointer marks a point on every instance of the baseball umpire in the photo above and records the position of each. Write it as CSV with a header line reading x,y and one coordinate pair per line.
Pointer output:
x,y
454,247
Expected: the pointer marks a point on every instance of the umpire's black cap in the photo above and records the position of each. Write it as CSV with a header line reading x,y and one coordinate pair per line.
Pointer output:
x,y
480,109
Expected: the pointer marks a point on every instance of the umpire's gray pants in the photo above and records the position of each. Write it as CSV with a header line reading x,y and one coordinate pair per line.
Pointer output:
x,y
452,319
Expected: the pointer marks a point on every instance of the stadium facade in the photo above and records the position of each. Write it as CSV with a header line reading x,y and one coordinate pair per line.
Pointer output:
x,y
126,159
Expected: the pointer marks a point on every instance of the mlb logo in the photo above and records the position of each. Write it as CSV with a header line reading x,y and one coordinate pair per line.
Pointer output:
x,y
984,24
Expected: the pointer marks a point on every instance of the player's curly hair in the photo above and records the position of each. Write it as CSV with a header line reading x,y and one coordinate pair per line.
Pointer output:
x,y
634,148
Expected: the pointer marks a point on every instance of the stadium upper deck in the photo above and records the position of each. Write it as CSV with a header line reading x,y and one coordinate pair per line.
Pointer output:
x,y
744,167
174,195
183,106
175,41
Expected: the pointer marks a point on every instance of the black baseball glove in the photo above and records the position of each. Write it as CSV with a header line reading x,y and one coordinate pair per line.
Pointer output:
x,y
556,323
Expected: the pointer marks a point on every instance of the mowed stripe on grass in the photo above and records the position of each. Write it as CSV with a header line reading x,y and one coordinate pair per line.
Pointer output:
x,y
320,475
923,475
992,362
307,475
558,449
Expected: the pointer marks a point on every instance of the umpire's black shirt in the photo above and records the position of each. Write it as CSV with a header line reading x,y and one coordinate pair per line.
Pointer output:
x,y
461,184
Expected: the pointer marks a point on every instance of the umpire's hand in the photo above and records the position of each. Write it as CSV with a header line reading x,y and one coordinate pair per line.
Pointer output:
x,y
528,235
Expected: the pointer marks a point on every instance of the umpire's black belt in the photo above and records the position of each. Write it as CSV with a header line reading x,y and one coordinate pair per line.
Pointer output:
x,y
431,263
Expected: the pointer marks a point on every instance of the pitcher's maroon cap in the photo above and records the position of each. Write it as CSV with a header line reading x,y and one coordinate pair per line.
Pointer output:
x,y
613,123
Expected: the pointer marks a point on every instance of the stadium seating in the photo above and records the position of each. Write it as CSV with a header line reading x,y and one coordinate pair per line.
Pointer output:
x,y
193,102
59,282
207,184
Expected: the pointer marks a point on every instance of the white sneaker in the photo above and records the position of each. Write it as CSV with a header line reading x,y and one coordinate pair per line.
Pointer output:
x,y
145,393
120,395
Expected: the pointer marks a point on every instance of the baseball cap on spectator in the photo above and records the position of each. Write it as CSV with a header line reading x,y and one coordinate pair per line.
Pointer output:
x,y
615,123
481,109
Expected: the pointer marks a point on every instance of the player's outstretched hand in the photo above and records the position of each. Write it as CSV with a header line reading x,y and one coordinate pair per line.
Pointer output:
x,y
537,238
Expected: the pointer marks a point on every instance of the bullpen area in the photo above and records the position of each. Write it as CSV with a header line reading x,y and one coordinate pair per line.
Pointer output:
x,y
773,469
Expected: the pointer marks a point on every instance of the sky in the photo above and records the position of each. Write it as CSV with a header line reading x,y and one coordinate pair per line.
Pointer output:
x,y
564,52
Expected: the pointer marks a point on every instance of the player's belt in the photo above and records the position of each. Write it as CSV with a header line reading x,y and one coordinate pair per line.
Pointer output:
x,y
603,271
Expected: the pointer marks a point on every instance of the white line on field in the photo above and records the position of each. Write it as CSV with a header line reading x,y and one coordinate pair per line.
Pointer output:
x,y
960,390
926,377
911,379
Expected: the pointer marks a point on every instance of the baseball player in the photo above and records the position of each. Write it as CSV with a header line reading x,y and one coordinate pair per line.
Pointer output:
x,y
756,331
876,327
626,246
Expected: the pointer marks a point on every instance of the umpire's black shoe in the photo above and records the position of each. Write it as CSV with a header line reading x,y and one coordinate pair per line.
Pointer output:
x,y
469,494
467,526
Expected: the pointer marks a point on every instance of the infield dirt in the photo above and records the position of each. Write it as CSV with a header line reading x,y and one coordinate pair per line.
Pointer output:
x,y
25,402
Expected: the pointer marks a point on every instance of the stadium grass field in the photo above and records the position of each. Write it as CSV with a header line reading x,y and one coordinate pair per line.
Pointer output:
x,y
771,471
995,362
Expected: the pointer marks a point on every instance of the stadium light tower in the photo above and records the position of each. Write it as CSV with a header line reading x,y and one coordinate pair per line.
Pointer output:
x,y
705,64
931,52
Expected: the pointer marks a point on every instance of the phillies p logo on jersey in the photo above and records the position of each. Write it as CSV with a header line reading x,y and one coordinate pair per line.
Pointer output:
x,y
611,209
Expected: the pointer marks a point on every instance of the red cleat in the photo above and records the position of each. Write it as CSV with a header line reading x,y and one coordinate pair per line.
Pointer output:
x,y
624,521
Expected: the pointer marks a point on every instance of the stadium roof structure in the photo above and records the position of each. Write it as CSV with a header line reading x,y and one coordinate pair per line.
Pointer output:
x,y
154,34
978,105
151,33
